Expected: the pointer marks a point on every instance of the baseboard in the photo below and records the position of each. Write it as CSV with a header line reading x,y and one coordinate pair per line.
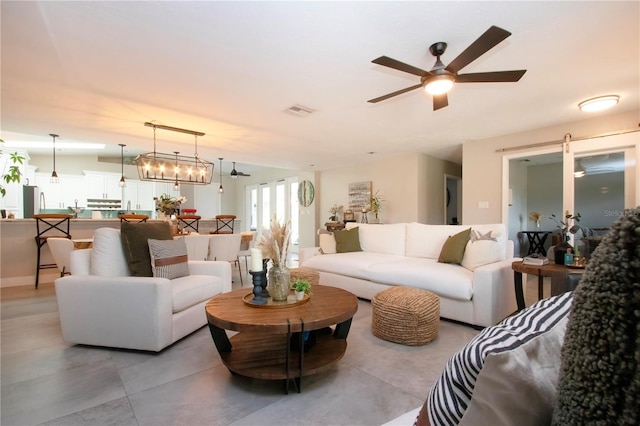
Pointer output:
x,y
28,280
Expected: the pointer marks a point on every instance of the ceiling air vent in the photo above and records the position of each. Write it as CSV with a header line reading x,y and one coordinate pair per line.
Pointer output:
x,y
299,111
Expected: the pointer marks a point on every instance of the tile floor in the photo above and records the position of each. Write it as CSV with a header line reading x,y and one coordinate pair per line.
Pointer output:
x,y
44,381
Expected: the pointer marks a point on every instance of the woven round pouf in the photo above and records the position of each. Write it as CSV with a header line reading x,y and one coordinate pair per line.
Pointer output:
x,y
306,274
405,315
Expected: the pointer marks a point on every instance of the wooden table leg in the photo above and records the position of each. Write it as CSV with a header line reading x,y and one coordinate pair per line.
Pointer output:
x,y
517,279
220,339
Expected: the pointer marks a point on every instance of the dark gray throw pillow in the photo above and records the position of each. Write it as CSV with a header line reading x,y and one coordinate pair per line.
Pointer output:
x,y
135,237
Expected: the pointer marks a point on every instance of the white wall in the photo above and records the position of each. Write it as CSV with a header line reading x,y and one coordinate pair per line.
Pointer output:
x,y
482,165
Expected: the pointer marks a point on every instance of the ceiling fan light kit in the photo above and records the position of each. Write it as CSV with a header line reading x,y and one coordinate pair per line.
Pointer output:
x,y
598,104
440,79
161,167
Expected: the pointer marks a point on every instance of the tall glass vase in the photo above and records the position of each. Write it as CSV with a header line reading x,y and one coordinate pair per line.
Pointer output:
x,y
279,283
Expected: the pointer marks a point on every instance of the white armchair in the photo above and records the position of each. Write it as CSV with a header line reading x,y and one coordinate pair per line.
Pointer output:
x,y
101,305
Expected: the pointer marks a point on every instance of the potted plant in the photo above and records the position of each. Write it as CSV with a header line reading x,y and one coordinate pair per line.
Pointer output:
x,y
13,174
375,202
300,287
566,226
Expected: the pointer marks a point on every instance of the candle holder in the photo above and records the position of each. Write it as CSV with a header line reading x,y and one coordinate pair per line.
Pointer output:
x,y
265,292
259,277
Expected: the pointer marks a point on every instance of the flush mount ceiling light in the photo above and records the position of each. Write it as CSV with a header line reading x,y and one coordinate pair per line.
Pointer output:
x,y
599,103
122,182
154,166
54,174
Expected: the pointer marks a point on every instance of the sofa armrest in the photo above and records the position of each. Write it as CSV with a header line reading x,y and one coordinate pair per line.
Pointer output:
x,y
493,287
123,312
80,262
307,253
211,267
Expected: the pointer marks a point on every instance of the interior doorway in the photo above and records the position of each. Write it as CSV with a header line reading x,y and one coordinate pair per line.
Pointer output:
x,y
452,200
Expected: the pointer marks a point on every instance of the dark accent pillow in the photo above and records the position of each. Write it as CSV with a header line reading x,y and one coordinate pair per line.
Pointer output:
x,y
453,249
135,237
169,258
347,240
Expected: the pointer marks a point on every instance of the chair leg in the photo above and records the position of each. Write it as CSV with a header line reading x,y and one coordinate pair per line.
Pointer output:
x,y
239,271
38,264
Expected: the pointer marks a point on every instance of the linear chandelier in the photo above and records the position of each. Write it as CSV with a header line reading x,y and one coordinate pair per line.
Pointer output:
x,y
160,167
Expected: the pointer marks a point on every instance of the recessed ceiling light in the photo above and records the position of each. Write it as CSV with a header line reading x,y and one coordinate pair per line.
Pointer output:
x,y
599,103
299,111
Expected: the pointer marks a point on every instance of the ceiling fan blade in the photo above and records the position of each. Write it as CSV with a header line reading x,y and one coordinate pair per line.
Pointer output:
x,y
440,101
491,77
243,174
484,43
391,95
400,66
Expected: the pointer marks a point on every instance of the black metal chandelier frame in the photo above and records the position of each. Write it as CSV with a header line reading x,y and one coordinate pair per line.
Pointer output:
x,y
162,167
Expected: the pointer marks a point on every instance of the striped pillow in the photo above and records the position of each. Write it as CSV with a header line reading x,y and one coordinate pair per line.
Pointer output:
x,y
507,373
168,258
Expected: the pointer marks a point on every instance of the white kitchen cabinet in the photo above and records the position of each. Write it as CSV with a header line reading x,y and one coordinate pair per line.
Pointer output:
x,y
63,194
103,185
140,194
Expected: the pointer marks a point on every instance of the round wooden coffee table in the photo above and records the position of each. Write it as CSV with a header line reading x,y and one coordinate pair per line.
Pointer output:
x,y
267,345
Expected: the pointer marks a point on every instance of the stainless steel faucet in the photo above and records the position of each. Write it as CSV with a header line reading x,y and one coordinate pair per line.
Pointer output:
x,y
129,206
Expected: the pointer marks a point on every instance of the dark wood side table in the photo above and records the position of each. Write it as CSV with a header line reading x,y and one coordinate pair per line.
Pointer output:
x,y
536,241
262,347
541,271
334,226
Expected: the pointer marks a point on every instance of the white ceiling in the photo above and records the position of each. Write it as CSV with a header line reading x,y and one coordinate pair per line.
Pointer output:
x,y
96,71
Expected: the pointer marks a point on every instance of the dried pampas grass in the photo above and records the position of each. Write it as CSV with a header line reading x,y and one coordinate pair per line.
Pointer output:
x,y
275,243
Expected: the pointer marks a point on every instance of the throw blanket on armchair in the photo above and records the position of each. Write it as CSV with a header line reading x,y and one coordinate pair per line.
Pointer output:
x,y
600,371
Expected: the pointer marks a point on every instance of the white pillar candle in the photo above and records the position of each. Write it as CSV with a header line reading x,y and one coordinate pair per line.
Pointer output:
x,y
256,259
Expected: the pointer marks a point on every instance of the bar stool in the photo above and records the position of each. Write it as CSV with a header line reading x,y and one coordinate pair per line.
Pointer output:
x,y
224,224
49,225
188,221
133,218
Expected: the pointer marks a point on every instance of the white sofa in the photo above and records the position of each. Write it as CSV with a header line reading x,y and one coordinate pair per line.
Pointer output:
x,y
100,304
480,293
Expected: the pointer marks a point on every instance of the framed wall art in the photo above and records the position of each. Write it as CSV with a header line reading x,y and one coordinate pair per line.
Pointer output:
x,y
359,195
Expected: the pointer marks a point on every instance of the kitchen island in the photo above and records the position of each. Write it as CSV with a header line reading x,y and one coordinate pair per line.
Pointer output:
x,y
18,248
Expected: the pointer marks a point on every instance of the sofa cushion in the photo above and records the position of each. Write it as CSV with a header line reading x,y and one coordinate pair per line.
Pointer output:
x,y
347,240
135,244
444,279
519,356
193,289
355,264
453,248
387,239
168,258
427,240
481,249
327,242
107,256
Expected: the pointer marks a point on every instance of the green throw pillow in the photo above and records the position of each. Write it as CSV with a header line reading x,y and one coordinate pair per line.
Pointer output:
x,y
347,240
453,249
135,237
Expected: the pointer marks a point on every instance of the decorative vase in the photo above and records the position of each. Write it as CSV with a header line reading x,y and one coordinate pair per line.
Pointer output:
x,y
537,224
279,283
559,251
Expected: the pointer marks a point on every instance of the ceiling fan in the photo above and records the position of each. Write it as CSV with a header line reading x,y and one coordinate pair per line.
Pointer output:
x,y
234,173
440,79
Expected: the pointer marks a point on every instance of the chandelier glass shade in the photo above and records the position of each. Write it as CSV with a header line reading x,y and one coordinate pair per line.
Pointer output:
x,y
162,167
